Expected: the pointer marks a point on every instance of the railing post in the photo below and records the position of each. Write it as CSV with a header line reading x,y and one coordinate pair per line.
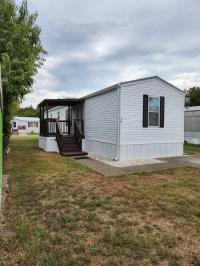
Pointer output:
x,y
47,123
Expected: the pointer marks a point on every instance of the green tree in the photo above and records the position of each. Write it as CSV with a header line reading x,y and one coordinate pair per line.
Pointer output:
x,y
21,54
192,96
27,111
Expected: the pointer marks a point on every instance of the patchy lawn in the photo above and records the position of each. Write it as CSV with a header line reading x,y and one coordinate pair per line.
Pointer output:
x,y
191,148
59,212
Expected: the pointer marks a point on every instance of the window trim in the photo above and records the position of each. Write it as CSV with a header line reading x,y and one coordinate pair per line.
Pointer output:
x,y
31,123
158,126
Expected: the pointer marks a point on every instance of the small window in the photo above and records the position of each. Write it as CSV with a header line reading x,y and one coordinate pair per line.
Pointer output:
x,y
32,124
154,111
22,127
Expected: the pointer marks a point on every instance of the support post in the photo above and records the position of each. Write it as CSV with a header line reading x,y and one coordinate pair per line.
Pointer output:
x,y
40,119
43,112
40,112
69,119
47,111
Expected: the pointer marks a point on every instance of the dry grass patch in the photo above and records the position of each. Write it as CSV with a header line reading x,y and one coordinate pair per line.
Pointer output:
x,y
62,213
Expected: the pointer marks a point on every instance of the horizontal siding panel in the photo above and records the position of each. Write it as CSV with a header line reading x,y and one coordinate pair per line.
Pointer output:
x,y
101,117
192,121
54,113
132,130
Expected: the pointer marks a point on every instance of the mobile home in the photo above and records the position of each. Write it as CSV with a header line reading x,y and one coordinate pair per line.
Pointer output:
x,y
58,112
25,125
192,124
136,119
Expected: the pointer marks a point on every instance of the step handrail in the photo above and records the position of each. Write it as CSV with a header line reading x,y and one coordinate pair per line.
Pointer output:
x,y
58,135
78,132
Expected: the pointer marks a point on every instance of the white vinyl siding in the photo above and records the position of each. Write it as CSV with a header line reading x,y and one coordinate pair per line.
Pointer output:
x,y
53,113
101,117
192,125
137,142
101,124
132,131
26,127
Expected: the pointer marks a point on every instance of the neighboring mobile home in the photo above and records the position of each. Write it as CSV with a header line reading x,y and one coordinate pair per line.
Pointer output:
x,y
25,125
137,119
58,112
192,124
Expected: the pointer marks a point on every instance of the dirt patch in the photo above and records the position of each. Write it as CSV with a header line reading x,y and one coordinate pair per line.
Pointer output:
x,y
8,206
5,190
157,179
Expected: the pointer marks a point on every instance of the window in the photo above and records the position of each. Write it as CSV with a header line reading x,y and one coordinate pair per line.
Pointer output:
x,y
22,127
32,124
154,111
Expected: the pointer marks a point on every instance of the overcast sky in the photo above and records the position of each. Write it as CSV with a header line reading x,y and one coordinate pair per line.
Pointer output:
x,y
93,44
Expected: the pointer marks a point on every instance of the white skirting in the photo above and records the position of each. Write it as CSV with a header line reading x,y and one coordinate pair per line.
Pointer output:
x,y
126,152
150,150
104,149
192,137
193,140
48,144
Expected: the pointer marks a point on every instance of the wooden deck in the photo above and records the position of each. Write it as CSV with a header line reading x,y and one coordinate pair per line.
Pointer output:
x,y
69,133
68,144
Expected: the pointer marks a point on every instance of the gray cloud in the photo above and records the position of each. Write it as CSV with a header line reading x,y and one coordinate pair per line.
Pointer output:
x,y
92,44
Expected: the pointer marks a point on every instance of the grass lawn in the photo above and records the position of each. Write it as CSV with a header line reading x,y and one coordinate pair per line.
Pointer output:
x,y
191,148
59,212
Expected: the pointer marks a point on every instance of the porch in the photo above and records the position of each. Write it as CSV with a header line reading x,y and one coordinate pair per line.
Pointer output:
x,y
62,135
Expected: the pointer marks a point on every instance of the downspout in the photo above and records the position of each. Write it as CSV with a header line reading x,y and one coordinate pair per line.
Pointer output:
x,y
118,122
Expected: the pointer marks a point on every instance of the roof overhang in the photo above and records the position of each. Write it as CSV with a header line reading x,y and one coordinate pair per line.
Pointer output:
x,y
59,102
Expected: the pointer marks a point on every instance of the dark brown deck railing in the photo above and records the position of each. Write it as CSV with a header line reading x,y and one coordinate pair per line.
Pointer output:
x,y
78,130
48,127
58,135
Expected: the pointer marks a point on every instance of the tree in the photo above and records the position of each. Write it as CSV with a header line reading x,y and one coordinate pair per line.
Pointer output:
x,y
192,96
27,111
21,54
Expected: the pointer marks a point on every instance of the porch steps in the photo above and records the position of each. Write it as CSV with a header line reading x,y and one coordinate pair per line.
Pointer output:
x,y
70,147
74,153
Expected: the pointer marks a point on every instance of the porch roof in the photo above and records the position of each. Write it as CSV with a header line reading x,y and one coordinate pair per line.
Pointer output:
x,y
60,102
